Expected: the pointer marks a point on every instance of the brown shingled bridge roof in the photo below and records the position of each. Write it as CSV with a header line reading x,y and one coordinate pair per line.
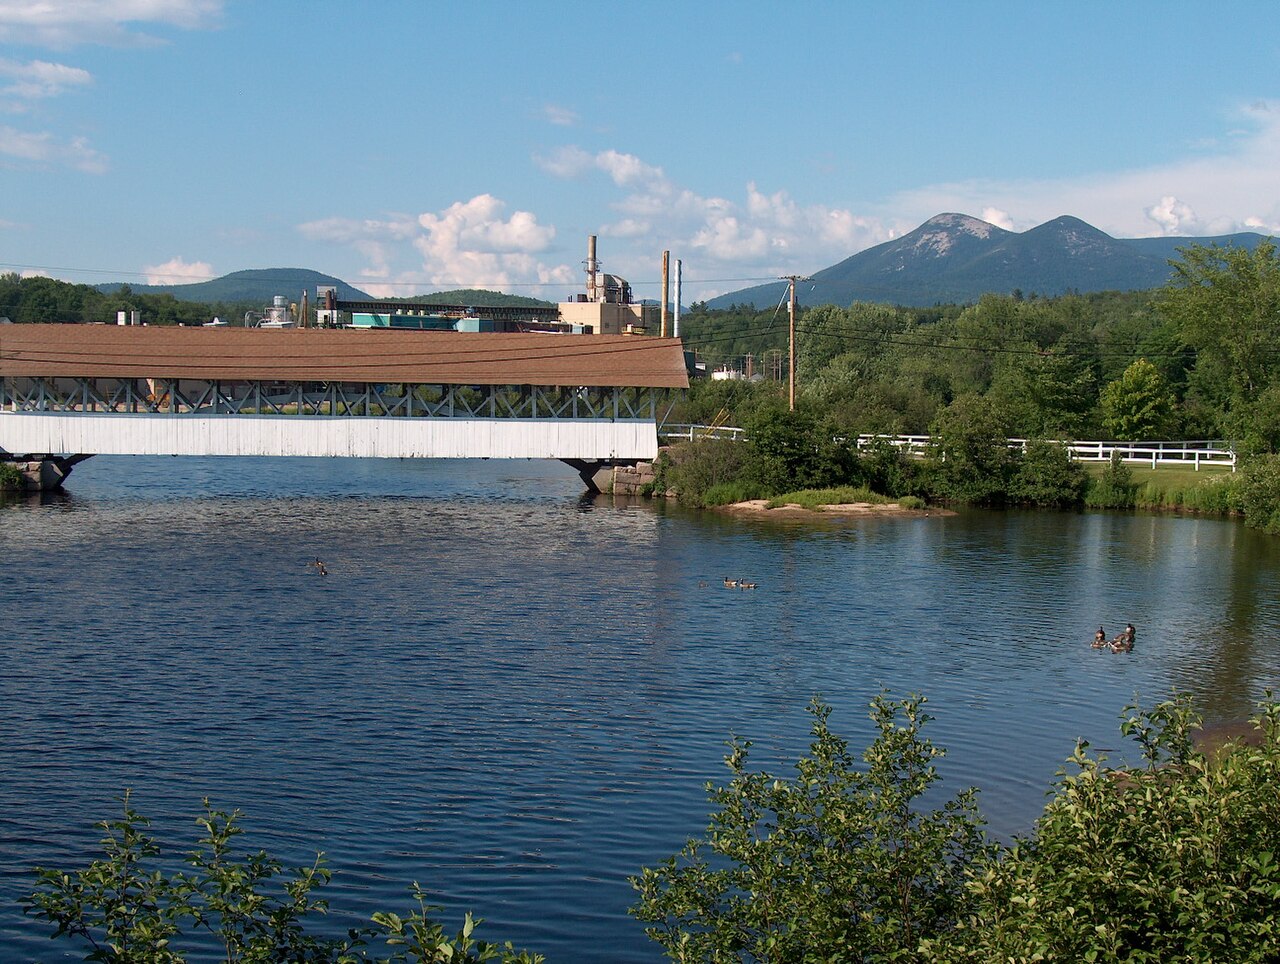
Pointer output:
x,y
340,355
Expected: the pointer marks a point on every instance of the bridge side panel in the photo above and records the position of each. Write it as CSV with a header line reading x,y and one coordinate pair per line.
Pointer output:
x,y
376,437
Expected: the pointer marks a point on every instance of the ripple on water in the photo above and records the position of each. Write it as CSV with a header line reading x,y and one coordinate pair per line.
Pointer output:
x,y
515,697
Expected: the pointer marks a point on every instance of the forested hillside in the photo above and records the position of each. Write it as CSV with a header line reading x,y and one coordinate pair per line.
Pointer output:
x,y
256,286
1196,359
36,300
475,298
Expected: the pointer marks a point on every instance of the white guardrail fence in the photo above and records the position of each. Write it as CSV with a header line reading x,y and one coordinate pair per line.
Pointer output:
x,y
1186,453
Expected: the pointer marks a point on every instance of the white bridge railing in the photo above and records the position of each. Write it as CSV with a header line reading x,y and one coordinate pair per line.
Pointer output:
x,y
693,433
1184,453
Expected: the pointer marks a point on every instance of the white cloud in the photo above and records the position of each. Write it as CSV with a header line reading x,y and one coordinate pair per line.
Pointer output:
x,y
627,169
66,23
351,231
624,169
1233,188
626,228
566,162
43,149
472,243
478,225
38,79
762,235
1173,217
560,116
176,271
997,217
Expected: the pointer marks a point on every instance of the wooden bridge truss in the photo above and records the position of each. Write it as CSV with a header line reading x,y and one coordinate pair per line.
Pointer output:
x,y
159,396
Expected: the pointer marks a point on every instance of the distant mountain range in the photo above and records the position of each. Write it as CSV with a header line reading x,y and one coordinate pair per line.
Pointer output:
x,y
261,285
256,287
957,258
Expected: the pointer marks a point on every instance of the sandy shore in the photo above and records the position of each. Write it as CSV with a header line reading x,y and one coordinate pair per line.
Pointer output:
x,y
760,507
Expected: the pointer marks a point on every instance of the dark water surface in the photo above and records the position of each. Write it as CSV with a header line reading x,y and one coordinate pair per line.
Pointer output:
x,y
514,695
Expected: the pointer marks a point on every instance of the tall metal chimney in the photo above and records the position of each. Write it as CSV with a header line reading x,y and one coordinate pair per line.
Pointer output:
x,y
675,324
592,267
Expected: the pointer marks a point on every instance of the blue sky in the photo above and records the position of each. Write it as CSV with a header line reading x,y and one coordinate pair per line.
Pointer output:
x,y
416,146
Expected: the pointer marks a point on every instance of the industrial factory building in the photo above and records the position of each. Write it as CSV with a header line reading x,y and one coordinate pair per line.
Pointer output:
x,y
606,308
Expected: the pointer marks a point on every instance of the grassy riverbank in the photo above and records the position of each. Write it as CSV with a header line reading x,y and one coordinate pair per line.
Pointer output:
x,y
792,457
817,498
1210,491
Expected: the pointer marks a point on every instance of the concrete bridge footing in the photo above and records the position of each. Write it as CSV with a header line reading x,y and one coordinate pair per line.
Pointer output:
x,y
44,473
614,477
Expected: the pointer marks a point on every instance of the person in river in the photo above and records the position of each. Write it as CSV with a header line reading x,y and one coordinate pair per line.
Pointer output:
x,y
1100,638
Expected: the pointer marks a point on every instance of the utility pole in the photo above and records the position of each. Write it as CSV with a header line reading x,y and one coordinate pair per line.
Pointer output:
x,y
666,289
791,316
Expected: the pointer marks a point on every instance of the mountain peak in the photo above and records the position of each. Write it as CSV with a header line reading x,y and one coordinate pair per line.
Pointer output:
x,y
1073,236
961,222
939,234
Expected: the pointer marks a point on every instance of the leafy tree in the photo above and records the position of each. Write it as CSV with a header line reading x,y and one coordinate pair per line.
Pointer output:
x,y
1047,476
1047,392
835,863
1261,495
1254,424
790,450
971,451
1138,405
1226,304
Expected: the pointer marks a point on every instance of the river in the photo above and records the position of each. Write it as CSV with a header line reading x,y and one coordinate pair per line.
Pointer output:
x,y
514,694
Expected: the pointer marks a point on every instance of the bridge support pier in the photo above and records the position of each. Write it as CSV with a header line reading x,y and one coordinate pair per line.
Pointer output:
x,y
44,473
613,476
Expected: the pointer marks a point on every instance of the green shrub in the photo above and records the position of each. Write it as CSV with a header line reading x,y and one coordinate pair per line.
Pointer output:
x,y
11,479
693,468
1260,493
1047,476
791,450
971,460
911,502
1174,860
132,905
835,863
1114,489
884,467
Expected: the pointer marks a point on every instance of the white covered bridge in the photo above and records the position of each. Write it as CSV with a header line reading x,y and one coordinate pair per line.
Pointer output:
x,y
71,391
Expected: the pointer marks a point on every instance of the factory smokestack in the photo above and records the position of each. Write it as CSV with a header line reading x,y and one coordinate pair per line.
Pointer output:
x,y
592,267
